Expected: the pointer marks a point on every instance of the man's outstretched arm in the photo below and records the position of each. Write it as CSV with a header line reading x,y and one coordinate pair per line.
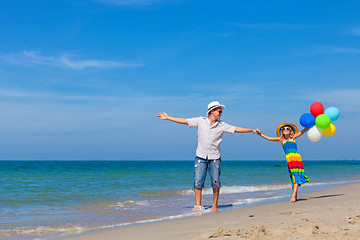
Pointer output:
x,y
164,116
247,130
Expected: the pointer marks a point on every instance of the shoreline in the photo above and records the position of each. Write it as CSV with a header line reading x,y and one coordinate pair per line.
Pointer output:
x,y
333,213
90,200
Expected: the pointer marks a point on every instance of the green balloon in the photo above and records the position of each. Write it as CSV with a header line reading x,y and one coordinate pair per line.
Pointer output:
x,y
322,121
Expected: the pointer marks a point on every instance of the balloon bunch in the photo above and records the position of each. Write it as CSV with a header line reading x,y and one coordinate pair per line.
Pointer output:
x,y
320,121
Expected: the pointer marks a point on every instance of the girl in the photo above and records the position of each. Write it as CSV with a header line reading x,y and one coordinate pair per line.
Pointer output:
x,y
287,134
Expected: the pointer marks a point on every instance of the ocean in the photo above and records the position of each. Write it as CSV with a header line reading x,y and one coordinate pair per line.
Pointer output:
x,y
55,199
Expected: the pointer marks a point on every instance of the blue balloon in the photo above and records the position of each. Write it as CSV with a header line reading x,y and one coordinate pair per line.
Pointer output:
x,y
307,120
333,113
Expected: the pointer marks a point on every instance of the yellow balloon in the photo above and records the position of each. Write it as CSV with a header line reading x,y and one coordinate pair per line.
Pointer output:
x,y
329,131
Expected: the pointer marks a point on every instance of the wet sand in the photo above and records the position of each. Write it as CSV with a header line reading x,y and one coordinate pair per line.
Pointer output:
x,y
329,214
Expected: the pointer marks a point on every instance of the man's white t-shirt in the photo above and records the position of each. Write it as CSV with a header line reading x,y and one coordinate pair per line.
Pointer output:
x,y
209,137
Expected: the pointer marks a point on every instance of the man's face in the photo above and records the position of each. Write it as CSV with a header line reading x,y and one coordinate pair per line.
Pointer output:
x,y
217,113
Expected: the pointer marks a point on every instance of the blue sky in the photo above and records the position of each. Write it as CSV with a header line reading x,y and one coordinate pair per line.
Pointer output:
x,y
85,79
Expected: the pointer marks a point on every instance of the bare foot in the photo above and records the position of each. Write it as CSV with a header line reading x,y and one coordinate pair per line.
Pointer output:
x,y
293,200
214,209
198,208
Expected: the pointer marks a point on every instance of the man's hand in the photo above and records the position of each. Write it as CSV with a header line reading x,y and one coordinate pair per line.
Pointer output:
x,y
163,116
256,131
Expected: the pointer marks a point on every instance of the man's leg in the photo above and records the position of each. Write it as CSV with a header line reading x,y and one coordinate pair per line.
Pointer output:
x,y
215,170
216,192
198,196
200,170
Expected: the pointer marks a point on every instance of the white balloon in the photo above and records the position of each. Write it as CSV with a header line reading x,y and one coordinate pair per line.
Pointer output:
x,y
314,134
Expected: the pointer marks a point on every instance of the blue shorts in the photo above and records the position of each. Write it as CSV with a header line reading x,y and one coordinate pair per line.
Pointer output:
x,y
201,167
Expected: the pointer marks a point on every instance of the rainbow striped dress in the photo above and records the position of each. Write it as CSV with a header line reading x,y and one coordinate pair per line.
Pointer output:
x,y
294,162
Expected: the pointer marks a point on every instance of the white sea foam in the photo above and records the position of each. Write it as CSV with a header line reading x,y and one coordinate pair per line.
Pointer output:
x,y
143,203
191,214
129,204
123,204
240,189
42,230
255,188
253,200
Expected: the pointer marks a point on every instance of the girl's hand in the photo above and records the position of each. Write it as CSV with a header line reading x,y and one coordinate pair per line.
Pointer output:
x,y
256,131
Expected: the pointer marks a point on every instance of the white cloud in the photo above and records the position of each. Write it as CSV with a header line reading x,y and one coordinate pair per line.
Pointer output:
x,y
52,96
137,97
63,61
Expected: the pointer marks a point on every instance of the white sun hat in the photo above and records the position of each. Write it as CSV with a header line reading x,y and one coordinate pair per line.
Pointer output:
x,y
213,105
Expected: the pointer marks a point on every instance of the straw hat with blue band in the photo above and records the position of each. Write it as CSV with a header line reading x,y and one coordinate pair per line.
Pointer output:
x,y
293,127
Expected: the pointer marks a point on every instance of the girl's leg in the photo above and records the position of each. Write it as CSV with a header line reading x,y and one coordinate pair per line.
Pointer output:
x,y
294,194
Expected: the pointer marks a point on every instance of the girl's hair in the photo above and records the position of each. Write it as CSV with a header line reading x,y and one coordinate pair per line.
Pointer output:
x,y
282,136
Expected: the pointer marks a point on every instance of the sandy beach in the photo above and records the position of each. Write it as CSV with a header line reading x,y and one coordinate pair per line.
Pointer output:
x,y
329,214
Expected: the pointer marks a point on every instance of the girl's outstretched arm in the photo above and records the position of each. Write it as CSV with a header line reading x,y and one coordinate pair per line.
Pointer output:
x,y
274,139
301,132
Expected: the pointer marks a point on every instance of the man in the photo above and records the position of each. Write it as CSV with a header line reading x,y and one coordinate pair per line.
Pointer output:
x,y
210,134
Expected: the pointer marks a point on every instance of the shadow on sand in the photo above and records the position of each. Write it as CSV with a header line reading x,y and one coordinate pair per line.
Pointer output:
x,y
324,196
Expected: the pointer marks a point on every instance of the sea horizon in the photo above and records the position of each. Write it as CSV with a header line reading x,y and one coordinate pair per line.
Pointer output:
x,y
154,160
